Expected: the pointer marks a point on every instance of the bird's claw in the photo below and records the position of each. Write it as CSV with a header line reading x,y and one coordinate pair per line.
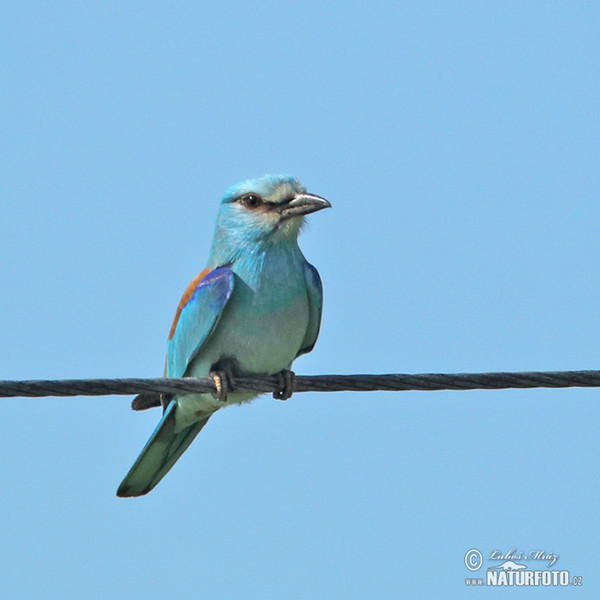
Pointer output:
x,y
287,385
224,384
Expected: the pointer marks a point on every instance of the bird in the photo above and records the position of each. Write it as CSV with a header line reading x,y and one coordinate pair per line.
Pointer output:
x,y
253,310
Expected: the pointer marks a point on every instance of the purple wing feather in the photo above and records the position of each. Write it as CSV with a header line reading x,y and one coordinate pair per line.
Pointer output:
x,y
197,318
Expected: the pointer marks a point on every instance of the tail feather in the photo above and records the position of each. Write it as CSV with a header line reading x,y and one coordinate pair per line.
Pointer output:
x,y
160,453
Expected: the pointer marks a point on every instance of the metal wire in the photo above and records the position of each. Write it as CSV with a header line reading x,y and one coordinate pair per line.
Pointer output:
x,y
151,389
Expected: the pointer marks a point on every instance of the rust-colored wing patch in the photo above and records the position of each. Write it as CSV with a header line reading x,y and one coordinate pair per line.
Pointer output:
x,y
189,292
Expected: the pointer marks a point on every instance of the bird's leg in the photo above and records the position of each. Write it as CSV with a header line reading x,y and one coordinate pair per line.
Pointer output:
x,y
224,383
287,385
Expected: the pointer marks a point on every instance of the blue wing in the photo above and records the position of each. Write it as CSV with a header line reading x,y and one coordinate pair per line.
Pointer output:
x,y
197,319
315,308
198,314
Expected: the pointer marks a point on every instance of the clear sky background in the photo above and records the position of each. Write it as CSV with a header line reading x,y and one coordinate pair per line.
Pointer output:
x,y
459,146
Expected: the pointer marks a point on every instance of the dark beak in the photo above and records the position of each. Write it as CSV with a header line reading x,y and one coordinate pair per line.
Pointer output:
x,y
303,204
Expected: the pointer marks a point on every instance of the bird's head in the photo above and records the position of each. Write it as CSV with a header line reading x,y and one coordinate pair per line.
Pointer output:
x,y
269,209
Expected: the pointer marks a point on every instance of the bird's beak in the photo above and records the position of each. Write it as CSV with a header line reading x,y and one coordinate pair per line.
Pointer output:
x,y
303,204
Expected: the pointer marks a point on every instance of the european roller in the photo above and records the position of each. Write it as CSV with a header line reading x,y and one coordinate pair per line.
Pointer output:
x,y
254,309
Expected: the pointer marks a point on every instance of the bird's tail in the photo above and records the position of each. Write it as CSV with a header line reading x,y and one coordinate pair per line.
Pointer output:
x,y
159,454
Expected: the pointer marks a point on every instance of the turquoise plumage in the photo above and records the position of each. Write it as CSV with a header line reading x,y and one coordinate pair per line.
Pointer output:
x,y
252,311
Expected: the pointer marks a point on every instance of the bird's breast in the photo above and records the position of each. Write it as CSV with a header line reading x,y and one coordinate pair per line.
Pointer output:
x,y
263,328
265,321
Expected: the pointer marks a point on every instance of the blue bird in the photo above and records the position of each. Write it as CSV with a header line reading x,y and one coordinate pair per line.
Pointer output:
x,y
253,310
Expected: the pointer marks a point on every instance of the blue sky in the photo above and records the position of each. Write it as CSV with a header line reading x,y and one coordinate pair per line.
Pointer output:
x,y
458,144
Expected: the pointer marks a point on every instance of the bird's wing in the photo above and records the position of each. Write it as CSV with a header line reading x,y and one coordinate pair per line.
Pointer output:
x,y
198,313
314,289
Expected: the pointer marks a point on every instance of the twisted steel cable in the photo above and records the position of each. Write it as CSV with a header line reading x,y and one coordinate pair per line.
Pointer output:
x,y
150,390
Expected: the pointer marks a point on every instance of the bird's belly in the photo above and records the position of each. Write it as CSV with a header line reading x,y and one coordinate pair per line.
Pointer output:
x,y
260,339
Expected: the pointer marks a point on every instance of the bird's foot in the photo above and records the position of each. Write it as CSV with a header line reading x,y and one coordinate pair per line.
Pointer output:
x,y
287,385
224,384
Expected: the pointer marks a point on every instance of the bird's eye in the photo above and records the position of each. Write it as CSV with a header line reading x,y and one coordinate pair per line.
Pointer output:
x,y
251,200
